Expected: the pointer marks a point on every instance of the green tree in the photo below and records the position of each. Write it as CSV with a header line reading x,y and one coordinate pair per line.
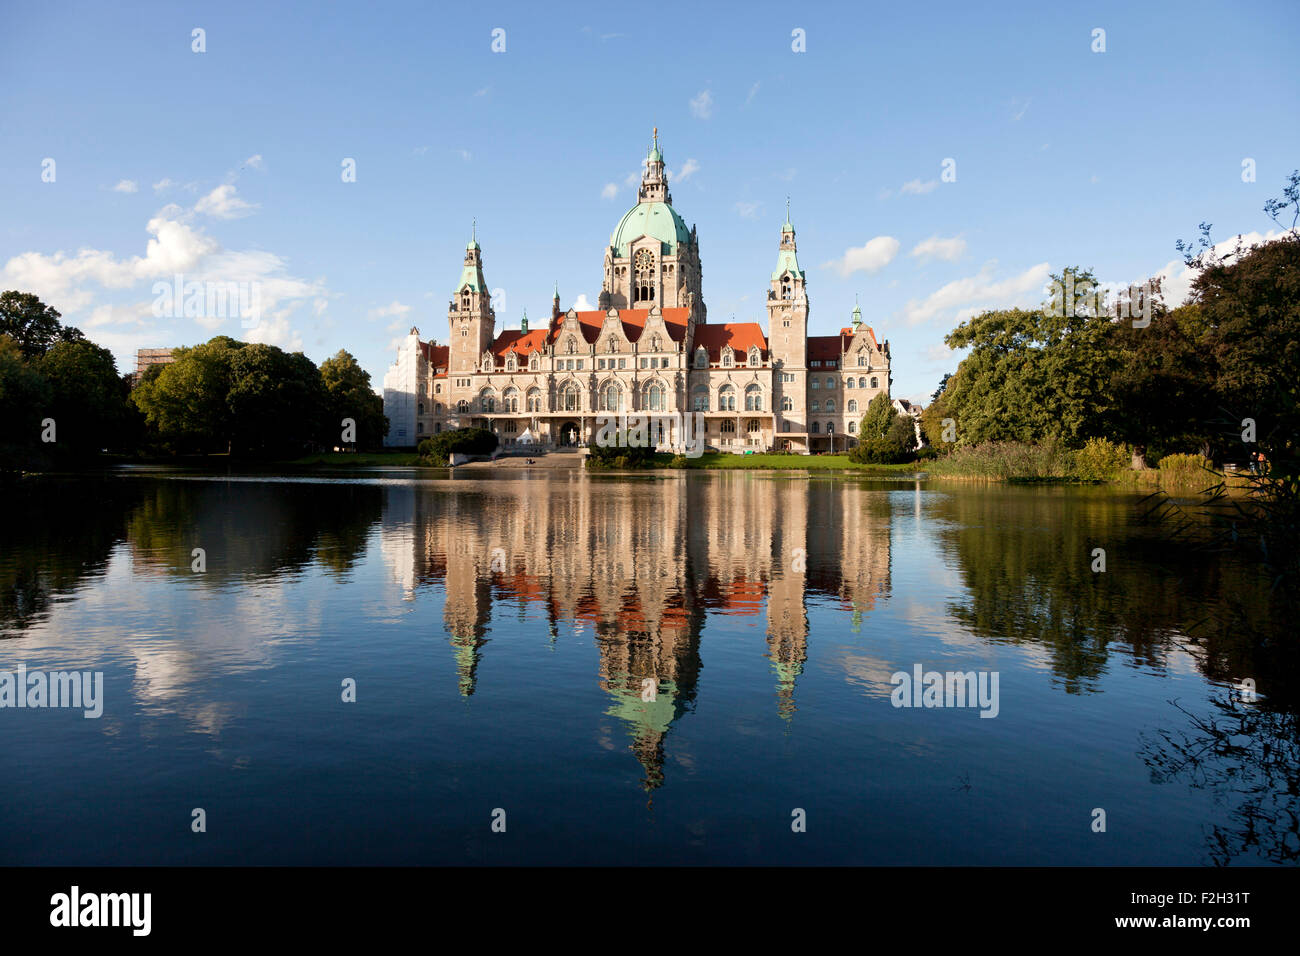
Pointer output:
x,y
24,401
88,398
275,401
184,402
878,419
347,385
32,324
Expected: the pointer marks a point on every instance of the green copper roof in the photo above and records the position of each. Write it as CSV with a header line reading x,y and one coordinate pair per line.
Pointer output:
x,y
786,261
655,219
471,276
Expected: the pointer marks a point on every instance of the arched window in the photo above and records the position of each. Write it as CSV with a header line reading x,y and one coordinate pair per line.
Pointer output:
x,y
787,287
487,400
487,363
511,362
753,398
534,399
862,383
830,382
726,357
463,407
753,357
830,404
875,382
853,404
727,399
464,332
830,428
813,428
464,301
421,408
700,398
571,397
849,383
816,406
611,397
787,404
510,401
853,427
727,427
701,357
656,397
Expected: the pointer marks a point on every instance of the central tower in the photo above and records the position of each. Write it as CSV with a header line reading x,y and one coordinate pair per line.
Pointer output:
x,y
652,258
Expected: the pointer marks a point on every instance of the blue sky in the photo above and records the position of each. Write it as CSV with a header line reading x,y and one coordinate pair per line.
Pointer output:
x,y
226,164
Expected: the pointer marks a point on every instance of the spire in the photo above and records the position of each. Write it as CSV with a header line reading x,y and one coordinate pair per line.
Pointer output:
x,y
473,235
787,227
654,181
857,312
523,323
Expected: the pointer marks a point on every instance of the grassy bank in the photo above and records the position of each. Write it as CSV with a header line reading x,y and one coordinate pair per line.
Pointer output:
x,y
362,459
718,461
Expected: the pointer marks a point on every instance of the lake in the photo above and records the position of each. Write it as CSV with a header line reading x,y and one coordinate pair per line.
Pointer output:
x,y
691,668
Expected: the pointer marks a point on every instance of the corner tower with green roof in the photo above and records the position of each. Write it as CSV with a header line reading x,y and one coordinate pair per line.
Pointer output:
x,y
473,323
652,258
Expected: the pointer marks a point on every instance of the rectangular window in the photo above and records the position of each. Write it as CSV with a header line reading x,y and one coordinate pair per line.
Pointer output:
x,y
579,365
622,363
600,363
645,362
816,363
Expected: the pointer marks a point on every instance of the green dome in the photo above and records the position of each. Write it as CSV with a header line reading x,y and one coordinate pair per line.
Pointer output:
x,y
655,219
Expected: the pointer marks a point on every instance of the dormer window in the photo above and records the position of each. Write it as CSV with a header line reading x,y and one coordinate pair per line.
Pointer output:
x,y
533,363
701,357
753,358
511,363
726,357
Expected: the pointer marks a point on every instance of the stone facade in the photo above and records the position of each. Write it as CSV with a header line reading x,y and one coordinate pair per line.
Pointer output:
x,y
649,348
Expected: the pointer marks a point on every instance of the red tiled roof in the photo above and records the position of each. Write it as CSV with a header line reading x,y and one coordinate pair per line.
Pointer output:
x,y
741,336
633,320
823,347
870,332
522,342
436,355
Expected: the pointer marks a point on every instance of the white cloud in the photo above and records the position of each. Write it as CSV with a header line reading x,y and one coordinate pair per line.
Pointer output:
x,y
583,305
937,248
872,256
1020,114
222,203
753,92
126,186
916,187
963,298
393,308
689,169
610,191
466,155
702,105
163,184
483,92
255,161
748,210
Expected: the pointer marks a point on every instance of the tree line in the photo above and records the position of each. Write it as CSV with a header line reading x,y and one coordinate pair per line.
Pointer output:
x,y
65,401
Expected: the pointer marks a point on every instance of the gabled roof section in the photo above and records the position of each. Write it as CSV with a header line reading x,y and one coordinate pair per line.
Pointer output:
x,y
741,336
523,343
634,322
866,330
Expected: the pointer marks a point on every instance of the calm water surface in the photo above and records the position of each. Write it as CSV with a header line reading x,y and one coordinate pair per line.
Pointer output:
x,y
501,628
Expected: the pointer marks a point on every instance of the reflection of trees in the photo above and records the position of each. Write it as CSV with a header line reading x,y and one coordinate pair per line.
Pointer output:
x,y
1026,559
54,535
1248,756
250,528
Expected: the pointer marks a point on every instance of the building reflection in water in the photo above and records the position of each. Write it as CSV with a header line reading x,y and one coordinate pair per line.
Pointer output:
x,y
643,563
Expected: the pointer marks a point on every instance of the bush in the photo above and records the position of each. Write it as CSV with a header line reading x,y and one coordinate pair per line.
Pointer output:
x,y
1184,470
620,456
1102,460
465,441
878,451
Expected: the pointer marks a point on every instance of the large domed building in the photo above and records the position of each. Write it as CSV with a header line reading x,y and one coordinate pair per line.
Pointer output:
x,y
648,348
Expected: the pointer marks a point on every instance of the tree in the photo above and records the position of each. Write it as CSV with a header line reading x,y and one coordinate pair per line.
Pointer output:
x,y
24,397
879,417
88,398
32,324
347,385
184,402
1032,375
275,401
